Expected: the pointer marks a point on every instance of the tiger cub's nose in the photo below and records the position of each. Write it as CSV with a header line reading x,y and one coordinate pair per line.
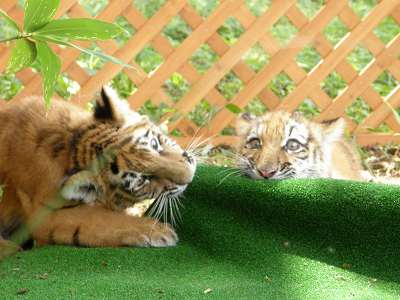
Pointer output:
x,y
267,173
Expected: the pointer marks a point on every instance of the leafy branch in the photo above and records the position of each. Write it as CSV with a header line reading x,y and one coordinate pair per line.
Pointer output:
x,y
39,29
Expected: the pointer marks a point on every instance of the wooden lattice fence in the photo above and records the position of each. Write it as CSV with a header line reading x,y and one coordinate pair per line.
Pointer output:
x,y
230,59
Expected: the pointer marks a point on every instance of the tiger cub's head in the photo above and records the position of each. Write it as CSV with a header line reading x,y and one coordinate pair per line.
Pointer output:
x,y
282,145
147,163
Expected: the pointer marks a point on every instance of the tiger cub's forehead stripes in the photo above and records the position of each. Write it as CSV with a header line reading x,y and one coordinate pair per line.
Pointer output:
x,y
297,131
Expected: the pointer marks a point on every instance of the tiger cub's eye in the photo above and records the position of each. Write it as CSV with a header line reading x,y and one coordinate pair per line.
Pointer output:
x,y
253,143
293,145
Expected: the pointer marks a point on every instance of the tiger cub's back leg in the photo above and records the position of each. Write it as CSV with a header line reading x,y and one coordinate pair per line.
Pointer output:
x,y
95,226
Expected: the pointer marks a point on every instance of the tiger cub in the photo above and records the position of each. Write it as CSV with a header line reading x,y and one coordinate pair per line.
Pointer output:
x,y
60,153
280,145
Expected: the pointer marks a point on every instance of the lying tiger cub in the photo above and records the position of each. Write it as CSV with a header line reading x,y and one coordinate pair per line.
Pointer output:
x,y
43,152
281,145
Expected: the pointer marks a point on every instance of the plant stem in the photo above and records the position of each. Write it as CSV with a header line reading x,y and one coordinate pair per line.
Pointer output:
x,y
20,36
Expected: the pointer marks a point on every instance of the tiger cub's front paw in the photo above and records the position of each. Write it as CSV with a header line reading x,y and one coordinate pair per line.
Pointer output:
x,y
150,234
82,186
7,248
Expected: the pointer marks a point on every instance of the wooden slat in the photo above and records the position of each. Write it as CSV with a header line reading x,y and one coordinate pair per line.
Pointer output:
x,y
226,62
131,49
331,61
278,61
201,34
358,85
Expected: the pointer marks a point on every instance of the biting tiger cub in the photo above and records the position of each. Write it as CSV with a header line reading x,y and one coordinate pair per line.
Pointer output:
x,y
280,145
43,154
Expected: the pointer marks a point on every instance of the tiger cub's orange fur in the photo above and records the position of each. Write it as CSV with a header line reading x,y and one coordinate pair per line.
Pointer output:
x,y
281,145
41,152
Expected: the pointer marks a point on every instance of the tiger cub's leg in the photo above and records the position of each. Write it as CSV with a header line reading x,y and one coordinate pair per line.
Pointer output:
x,y
95,226
82,186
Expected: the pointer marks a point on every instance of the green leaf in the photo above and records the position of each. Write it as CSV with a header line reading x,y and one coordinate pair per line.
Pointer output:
x,y
233,108
22,55
9,20
50,68
65,42
38,13
80,29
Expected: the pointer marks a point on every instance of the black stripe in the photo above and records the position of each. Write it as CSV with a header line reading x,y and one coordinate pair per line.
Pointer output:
x,y
290,130
75,237
57,147
75,140
50,237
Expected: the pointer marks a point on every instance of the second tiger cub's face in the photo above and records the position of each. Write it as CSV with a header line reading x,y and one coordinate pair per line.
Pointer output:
x,y
281,145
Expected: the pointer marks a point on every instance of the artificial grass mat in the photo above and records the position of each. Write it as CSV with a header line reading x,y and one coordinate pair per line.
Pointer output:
x,y
241,239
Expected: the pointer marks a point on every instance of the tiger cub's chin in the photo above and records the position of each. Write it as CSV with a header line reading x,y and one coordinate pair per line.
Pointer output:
x,y
280,145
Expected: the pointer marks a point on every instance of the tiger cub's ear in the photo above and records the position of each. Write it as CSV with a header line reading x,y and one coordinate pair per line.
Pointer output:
x,y
244,123
334,129
109,107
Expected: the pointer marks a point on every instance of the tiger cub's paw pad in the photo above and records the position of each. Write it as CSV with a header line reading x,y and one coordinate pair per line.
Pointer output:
x,y
8,248
156,235
164,236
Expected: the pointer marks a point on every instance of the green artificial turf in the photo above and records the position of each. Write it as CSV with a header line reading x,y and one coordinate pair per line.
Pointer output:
x,y
243,239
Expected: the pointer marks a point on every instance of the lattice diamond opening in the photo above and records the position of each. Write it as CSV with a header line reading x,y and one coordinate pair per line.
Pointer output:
x,y
382,128
228,131
387,29
309,109
308,58
149,7
358,111
385,83
231,31
335,31
256,107
204,58
310,8
230,85
176,31
94,7
155,112
333,85
90,63
128,31
10,86
282,85
65,87
284,30
362,8
123,85
149,59
256,58
176,86
359,58
202,113
258,7
205,7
